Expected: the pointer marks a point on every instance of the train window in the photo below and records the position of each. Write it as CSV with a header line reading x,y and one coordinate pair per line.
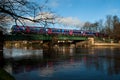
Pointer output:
x,y
82,32
58,30
46,29
53,30
62,30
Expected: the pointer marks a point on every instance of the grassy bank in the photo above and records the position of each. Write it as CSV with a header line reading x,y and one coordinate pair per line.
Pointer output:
x,y
5,76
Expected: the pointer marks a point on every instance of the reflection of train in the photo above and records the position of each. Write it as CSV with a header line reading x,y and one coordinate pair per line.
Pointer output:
x,y
41,30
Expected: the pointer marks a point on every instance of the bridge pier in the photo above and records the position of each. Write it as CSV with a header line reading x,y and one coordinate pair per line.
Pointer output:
x,y
87,43
81,44
91,41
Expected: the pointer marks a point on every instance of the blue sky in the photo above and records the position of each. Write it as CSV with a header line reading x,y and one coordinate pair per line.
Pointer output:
x,y
75,13
86,10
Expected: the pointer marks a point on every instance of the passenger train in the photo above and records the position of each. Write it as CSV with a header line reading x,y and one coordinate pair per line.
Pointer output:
x,y
50,31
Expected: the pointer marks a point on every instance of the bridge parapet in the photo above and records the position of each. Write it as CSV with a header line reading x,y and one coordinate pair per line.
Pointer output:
x,y
72,38
42,37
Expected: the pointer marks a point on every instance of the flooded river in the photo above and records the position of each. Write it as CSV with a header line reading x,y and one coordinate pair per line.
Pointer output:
x,y
63,63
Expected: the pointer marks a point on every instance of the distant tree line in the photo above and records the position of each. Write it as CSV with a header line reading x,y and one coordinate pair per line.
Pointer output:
x,y
111,27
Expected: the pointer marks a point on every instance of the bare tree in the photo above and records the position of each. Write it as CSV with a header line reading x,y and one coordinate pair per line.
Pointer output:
x,y
116,28
3,19
91,26
87,26
21,10
100,25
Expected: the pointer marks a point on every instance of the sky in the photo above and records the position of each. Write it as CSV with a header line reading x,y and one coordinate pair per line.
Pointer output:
x,y
74,13
85,10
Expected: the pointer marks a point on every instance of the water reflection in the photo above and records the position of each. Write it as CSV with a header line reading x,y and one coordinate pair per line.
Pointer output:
x,y
22,53
95,63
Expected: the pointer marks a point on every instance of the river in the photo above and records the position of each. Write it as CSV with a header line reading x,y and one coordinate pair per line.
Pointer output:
x,y
63,63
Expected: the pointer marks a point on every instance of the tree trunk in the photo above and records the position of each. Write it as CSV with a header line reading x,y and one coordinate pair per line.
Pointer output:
x,y
1,49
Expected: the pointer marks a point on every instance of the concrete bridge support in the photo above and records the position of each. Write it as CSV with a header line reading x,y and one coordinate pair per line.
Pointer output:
x,y
86,43
81,44
23,44
91,41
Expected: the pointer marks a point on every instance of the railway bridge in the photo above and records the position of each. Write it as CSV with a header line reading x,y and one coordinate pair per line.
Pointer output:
x,y
44,37
51,39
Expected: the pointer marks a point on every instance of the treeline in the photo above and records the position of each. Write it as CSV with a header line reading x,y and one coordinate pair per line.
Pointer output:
x,y
111,27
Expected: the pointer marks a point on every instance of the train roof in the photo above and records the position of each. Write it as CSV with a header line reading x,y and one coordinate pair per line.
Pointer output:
x,y
46,28
27,26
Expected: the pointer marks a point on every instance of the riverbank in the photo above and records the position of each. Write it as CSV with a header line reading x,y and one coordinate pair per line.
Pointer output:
x,y
94,42
106,44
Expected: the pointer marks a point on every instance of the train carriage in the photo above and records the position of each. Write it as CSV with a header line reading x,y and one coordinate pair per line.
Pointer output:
x,y
77,32
17,29
34,30
41,30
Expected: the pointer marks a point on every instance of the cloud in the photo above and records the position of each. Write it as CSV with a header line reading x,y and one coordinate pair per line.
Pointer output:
x,y
41,18
70,21
44,15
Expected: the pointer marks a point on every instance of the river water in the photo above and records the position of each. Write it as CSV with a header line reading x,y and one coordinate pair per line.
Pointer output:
x,y
63,63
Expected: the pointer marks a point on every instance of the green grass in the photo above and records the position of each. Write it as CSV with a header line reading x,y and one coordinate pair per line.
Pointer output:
x,y
5,76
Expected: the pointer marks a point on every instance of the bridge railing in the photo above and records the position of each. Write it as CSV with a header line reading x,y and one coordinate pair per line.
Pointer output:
x,y
42,37
72,38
